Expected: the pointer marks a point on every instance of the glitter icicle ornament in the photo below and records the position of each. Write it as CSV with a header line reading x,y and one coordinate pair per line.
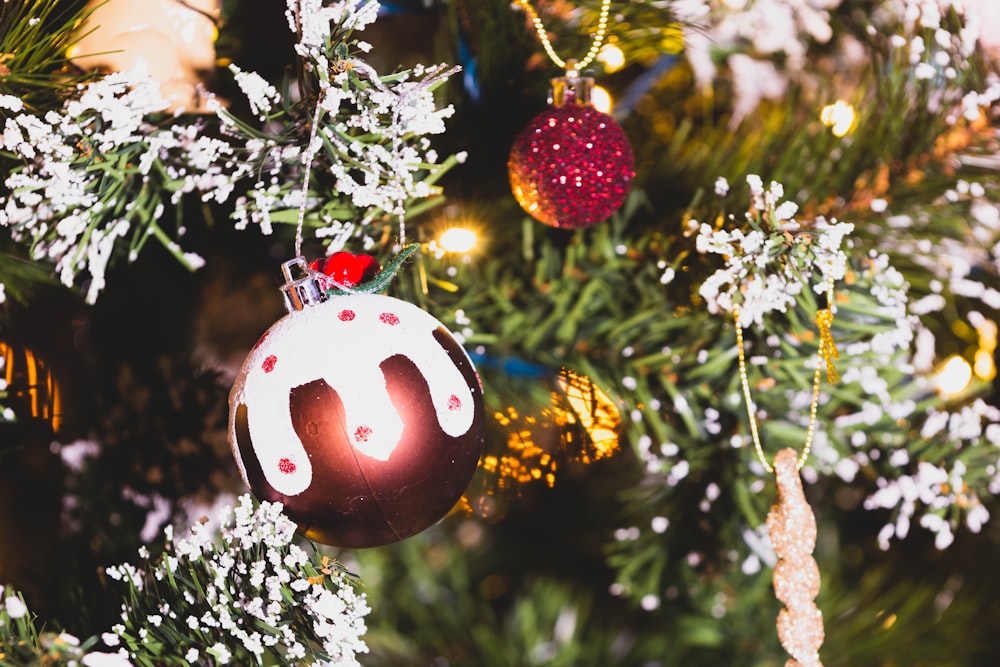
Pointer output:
x,y
572,165
792,529
359,412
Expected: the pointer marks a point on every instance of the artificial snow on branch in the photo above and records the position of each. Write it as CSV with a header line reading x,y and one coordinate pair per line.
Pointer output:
x,y
91,182
234,590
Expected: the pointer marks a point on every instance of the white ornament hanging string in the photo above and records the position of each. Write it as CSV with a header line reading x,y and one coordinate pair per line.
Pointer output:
x,y
308,158
400,102
307,161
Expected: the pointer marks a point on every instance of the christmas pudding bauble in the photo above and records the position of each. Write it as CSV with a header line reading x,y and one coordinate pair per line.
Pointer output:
x,y
362,415
571,166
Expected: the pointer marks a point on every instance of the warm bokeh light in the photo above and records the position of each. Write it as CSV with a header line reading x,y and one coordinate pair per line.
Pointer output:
x,y
27,384
839,117
458,240
953,376
984,366
601,99
611,57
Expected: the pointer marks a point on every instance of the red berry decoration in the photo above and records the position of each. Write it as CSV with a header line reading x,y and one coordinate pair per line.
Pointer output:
x,y
347,268
361,414
572,165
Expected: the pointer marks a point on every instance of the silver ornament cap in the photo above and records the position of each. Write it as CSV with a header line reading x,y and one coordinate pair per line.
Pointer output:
x,y
301,287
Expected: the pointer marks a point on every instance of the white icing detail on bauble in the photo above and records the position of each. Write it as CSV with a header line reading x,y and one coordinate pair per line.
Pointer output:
x,y
265,392
320,343
445,381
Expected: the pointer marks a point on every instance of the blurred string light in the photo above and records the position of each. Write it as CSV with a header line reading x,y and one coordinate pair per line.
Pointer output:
x,y
600,98
953,376
611,57
983,365
839,117
458,240
455,234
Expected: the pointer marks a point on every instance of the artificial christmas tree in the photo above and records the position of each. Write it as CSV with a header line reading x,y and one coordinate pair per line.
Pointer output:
x,y
618,512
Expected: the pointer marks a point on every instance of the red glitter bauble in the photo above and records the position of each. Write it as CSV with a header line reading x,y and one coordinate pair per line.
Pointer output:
x,y
571,166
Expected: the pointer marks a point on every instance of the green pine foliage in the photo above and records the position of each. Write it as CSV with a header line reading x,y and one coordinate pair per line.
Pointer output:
x,y
645,548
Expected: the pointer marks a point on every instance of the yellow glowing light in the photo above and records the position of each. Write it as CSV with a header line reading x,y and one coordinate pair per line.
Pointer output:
x,y
839,117
601,99
983,364
611,57
987,335
984,367
459,240
954,376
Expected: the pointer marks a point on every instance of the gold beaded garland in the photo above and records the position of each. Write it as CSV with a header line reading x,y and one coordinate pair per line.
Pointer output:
x,y
826,353
571,66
